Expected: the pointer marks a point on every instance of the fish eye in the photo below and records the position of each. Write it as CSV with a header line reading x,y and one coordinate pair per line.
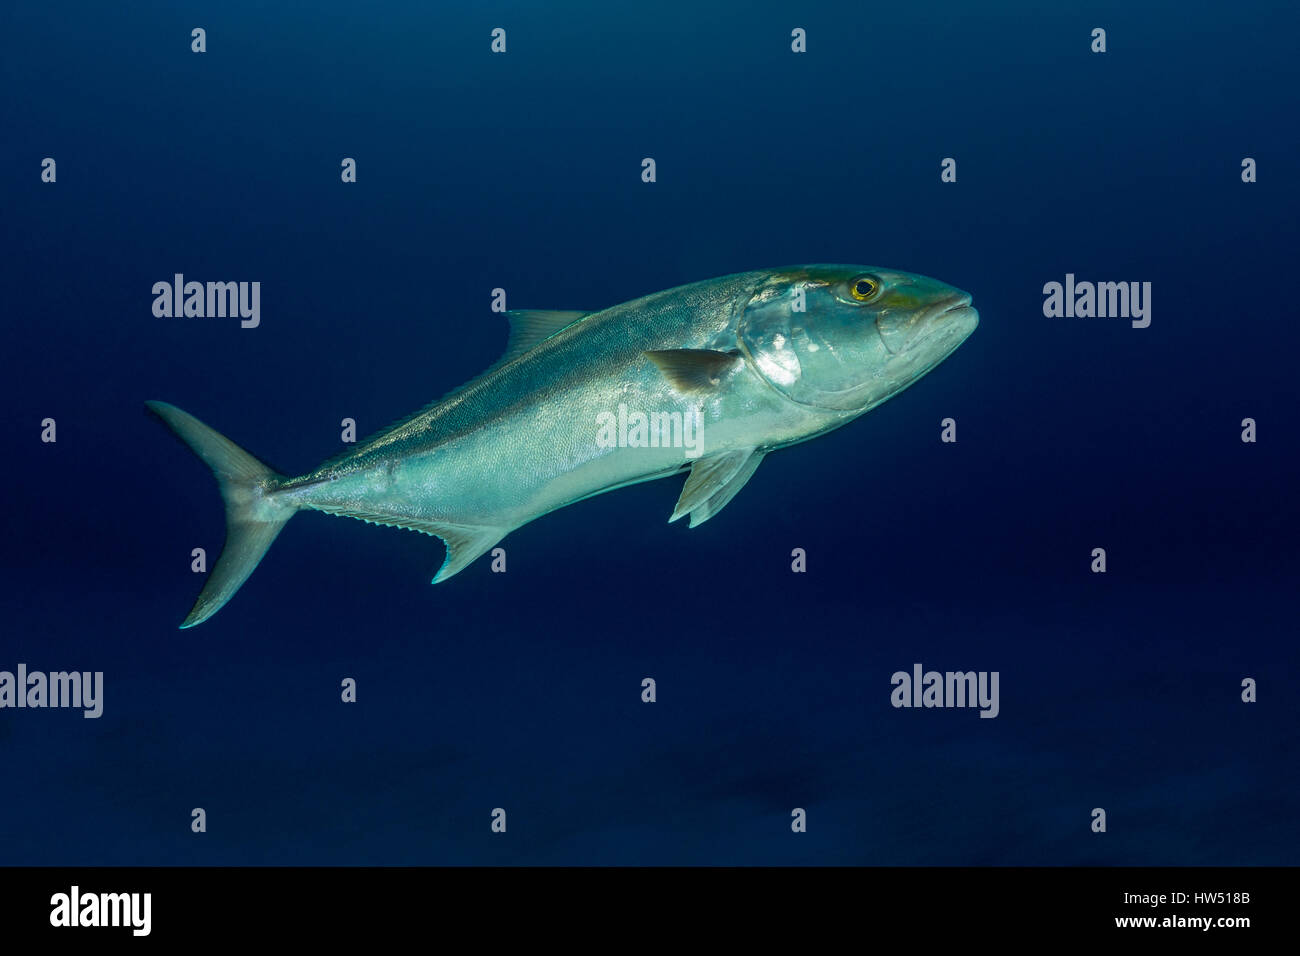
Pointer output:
x,y
864,287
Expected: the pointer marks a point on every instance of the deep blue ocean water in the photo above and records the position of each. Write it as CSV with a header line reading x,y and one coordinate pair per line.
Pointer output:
x,y
522,690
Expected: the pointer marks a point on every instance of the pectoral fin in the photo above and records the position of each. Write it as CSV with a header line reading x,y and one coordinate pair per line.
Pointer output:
x,y
713,482
692,370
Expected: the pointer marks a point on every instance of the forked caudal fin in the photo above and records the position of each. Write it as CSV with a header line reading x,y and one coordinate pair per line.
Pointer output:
x,y
253,519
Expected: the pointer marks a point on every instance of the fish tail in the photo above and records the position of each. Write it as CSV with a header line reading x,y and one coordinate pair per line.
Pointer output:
x,y
253,516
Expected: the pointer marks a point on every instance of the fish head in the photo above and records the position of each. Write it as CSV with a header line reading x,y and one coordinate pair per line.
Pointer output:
x,y
846,337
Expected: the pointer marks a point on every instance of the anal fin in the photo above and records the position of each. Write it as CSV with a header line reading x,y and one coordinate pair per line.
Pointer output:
x,y
464,543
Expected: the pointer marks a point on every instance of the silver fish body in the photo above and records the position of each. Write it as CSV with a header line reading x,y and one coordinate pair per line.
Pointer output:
x,y
709,377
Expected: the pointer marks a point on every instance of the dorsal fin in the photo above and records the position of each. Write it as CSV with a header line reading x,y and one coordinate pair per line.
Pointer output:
x,y
528,329
531,327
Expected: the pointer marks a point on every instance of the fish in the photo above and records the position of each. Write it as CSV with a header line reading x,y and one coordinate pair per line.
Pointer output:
x,y
706,378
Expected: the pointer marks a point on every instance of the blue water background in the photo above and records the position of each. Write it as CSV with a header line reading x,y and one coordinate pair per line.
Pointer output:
x,y
522,690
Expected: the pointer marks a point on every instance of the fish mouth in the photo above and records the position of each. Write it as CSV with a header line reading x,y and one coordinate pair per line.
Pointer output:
x,y
945,325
